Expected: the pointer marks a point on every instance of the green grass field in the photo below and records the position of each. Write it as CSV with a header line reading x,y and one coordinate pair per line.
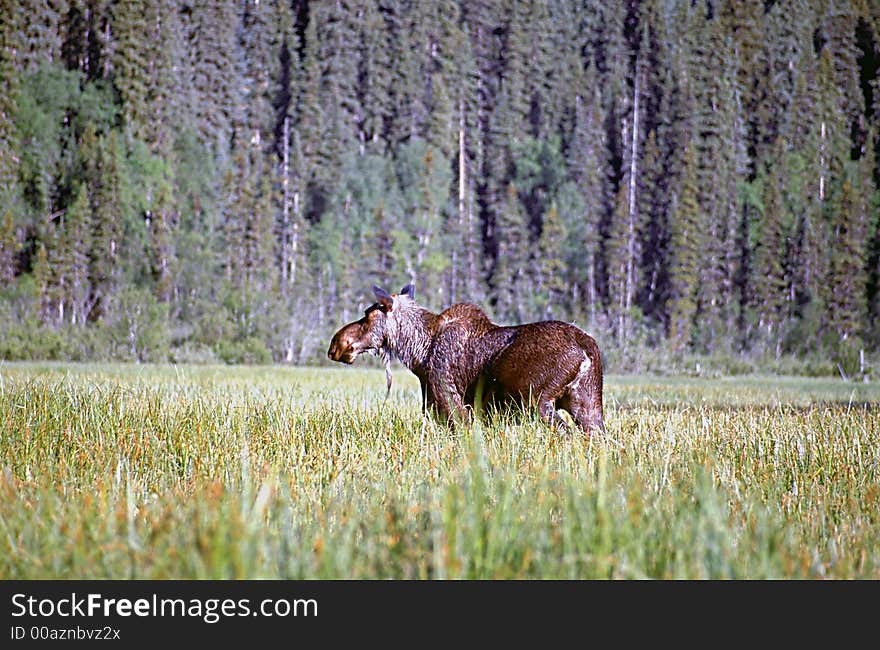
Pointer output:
x,y
124,471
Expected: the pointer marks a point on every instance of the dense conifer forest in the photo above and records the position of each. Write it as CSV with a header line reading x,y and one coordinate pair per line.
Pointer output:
x,y
225,180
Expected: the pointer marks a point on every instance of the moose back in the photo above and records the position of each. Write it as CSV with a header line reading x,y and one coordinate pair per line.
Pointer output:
x,y
459,356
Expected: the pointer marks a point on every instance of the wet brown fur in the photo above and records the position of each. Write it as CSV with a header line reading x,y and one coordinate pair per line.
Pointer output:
x,y
460,356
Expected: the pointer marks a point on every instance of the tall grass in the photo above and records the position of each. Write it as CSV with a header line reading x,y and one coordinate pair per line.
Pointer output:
x,y
215,472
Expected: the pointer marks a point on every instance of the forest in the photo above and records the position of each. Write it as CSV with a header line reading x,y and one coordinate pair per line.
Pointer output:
x,y
224,181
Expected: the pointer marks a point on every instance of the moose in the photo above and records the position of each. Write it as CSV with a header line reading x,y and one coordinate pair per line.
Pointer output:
x,y
462,358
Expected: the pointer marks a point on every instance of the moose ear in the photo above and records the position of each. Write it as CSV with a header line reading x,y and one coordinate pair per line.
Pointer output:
x,y
383,297
409,290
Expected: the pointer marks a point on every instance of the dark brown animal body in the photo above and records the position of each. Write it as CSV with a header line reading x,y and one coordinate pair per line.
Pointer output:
x,y
460,357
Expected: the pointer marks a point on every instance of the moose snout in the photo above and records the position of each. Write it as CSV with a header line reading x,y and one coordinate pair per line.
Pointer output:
x,y
338,352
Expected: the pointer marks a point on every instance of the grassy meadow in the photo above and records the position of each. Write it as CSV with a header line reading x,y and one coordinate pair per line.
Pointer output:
x,y
138,471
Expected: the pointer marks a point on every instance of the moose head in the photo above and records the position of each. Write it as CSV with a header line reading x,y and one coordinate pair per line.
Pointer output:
x,y
368,333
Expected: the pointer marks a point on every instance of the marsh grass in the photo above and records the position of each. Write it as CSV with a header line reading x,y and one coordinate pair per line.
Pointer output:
x,y
123,471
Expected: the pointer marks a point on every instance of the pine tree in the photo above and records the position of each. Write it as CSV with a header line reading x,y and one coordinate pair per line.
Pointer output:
x,y
71,267
424,177
513,124
511,279
10,71
686,250
742,19
382,246
43,280
238,197
550,266
38,23
337,52
655,235
508,125
260,43
722,160
260,275
162,221
846,286
466,262
838,28
109,206
442,120
558,60
329,106
769,283
214,76
84,46
9,247
408,61
375,88
149,63
832,127
590,170
622,249
674,130
808,172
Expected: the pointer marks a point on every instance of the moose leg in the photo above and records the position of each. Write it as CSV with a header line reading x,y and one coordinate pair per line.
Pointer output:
x,y
588,417
590,420
448,402
547,409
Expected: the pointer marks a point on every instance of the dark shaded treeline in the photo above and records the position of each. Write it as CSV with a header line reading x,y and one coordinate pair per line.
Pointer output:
x,y
227,179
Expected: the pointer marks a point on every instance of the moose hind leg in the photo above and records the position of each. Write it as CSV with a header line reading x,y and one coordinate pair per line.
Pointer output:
x,y
547,409
579,404
588,417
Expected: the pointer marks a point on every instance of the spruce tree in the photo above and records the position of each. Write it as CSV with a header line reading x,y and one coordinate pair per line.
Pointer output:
x,y
769,283
39,26
110,205
71,267
43,279
846,285
214,75
337,52
260,43
9,247
742,19
655,236
309,116
589,165
466,264
149,63
409,57
83,47
511,277
686,252
10,71
375,89
162,221
622,250
549,265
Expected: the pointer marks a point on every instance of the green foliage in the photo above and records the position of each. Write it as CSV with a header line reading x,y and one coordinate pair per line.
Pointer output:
x,y
712,168
251,350
54,108
138,327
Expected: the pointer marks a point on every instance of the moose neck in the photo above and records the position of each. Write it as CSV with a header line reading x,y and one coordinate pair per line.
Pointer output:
x,y
408,334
